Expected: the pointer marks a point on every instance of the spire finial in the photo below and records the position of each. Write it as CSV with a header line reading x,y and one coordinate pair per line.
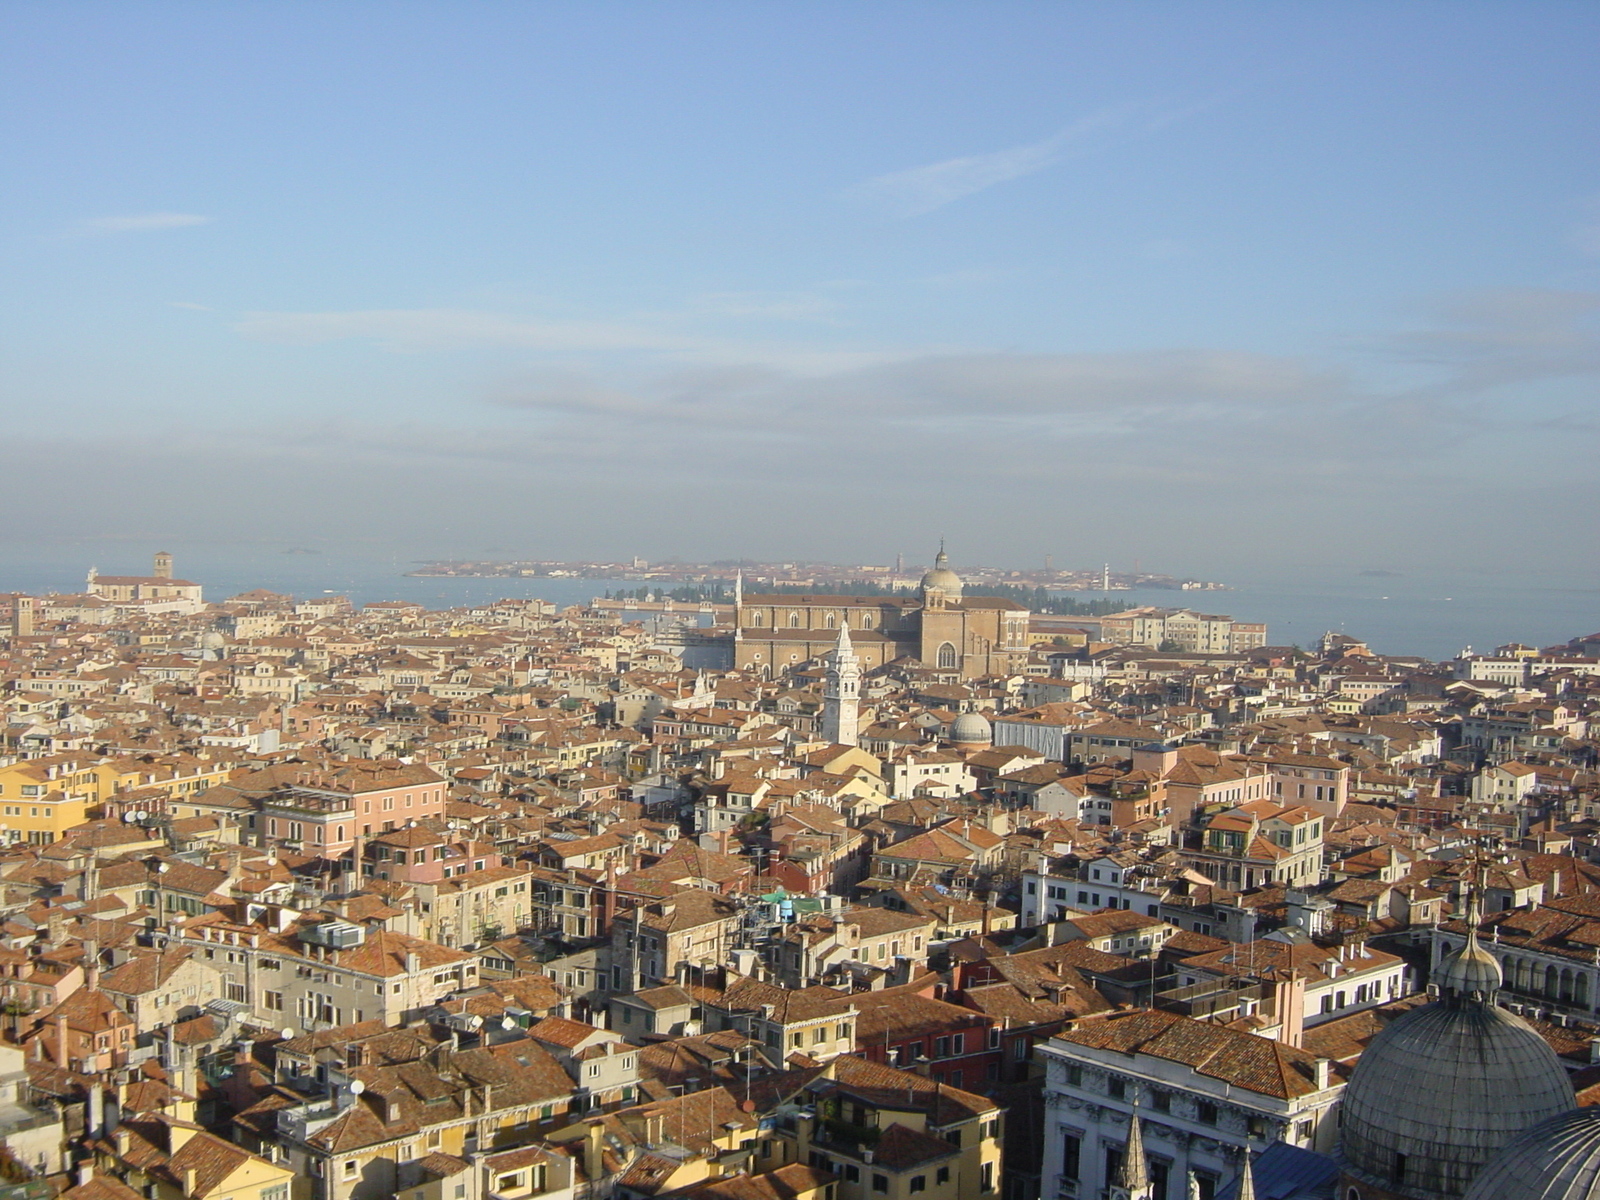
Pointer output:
x,y
1133,1176
1247,1178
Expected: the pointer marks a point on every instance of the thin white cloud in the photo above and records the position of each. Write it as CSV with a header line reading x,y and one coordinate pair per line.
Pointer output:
x,y
408,331
919,190
1503,336
143,222
446,329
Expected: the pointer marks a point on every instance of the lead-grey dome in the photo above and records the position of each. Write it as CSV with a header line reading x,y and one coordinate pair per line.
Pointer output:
x,y
1470,970
1558,1159
1441,1090
972,729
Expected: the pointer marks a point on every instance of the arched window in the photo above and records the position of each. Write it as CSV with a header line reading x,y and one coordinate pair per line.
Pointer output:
x,y
947,655
833,621
755,618
794,620
866,620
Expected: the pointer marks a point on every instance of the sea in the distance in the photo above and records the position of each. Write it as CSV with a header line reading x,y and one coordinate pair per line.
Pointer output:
x,y
1434,615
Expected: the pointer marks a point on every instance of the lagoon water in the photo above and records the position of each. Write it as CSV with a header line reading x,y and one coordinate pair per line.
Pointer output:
x,y
1434,615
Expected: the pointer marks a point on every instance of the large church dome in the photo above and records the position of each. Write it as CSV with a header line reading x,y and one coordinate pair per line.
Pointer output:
x,y
941,578
1558,1159
1442,1089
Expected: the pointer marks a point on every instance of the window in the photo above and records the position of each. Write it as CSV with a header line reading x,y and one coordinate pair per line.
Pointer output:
x,y
1074,1075
988,1176
350,1168
278,1191
919,1183
272,1001
852,1173
880,1183
1118,1088
1161,1101
841,1031
1206,1113
1071,1155
947,655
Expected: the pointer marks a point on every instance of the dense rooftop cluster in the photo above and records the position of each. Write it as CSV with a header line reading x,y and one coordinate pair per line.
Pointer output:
x,y
301,900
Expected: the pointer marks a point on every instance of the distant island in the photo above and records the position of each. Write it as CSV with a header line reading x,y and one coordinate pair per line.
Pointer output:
x,y
714,579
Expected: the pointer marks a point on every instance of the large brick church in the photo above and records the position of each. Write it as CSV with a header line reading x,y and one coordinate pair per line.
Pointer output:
x,y
970,636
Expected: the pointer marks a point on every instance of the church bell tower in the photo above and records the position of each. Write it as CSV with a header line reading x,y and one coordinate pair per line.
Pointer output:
x,y
841,697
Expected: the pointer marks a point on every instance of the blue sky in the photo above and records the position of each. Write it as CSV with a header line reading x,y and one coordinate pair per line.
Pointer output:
x,y
1212,286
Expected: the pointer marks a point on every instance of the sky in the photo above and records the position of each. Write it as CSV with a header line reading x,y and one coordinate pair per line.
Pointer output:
x,y
1214,287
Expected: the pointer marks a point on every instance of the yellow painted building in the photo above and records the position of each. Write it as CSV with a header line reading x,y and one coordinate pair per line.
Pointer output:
x,y
41,798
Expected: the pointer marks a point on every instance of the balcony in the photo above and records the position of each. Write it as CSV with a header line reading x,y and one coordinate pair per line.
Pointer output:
x,y
844,1136
17,1118
1208,998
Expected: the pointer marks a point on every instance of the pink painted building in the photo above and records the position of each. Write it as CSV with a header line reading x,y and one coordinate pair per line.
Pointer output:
x,y
417,855
324,811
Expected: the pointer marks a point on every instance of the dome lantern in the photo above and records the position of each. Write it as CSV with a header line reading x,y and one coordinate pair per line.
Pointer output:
x,y
940,583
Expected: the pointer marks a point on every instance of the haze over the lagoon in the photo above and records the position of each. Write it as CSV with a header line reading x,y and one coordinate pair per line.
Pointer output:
x,y
1221,287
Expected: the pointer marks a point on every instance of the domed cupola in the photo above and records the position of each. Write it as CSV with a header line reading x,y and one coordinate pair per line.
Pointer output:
x,y
972,730
1471,974
941,583
1442,1089
1558,1159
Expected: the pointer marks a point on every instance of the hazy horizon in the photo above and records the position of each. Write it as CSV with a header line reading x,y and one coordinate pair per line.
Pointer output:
x,y
1226,289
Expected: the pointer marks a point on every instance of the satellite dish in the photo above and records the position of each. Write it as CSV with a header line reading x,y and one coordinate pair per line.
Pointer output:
x,y
357,1087
130,816
287,1031
507,1023
164,868
475,1021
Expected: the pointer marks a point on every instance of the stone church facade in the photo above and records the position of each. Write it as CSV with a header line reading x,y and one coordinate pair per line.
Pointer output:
x,y
969,636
